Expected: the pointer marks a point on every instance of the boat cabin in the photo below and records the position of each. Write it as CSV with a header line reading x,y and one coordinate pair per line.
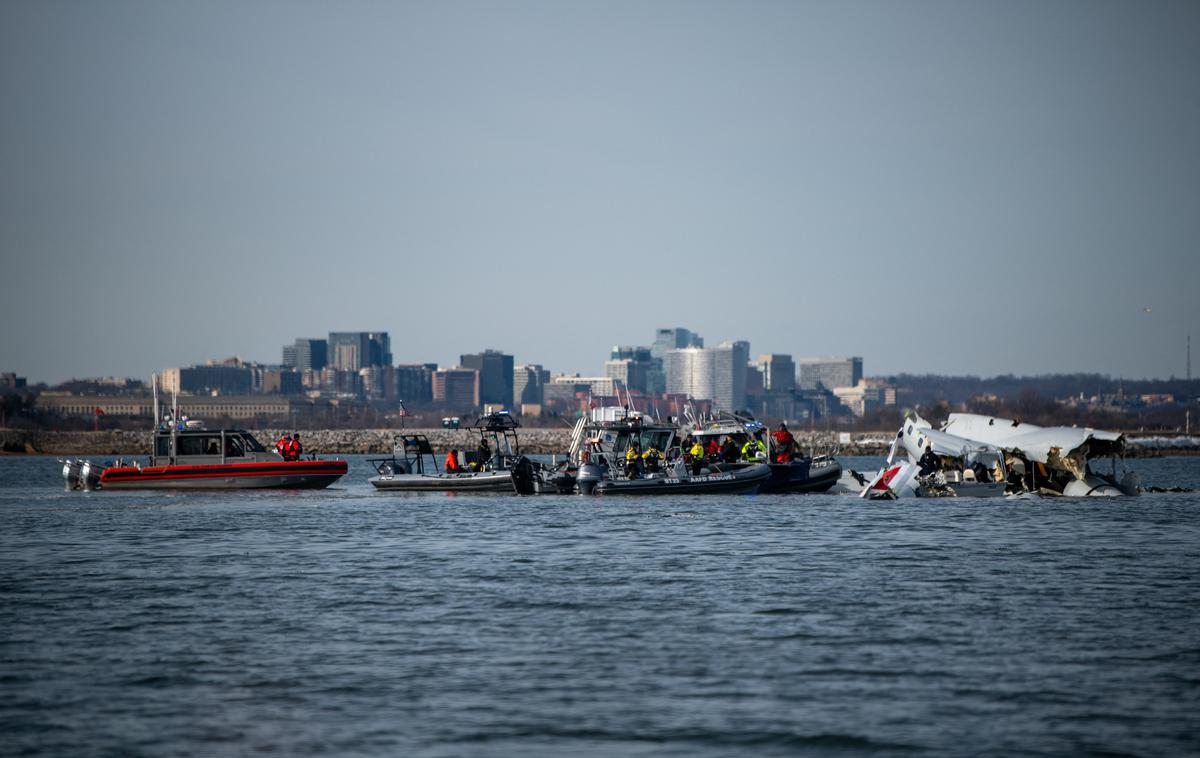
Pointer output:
x,y
207,446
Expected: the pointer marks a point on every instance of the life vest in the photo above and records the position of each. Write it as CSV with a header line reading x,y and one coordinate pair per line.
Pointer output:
x,y
631,454
753,449
281,446
697,452
451,462
293,450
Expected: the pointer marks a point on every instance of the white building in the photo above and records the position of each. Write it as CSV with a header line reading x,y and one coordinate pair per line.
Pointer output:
x,y
717,373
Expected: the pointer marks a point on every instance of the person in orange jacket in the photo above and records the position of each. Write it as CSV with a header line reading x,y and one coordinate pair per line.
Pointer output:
x,y
452,466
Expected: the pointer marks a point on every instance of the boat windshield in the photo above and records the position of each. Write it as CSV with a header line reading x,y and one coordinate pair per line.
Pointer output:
x,y
253,444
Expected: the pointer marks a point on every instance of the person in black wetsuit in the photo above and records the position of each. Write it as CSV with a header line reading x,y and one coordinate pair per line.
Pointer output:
x,y
929,462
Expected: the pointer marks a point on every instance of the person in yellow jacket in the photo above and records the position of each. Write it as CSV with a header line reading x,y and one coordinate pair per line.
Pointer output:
x,y
651,458
754,450
697,453
632,456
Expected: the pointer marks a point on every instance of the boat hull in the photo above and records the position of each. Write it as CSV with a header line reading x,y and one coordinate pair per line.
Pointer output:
x,y
801,477
490,481
226,476
740,482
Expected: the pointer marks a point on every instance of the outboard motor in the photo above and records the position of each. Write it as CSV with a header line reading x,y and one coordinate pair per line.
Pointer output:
x,y
523,476
70,473
589,475
89,475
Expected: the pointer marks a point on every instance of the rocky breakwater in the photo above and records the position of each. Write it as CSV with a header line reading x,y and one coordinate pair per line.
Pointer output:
x,y
321,442
379,441
374,441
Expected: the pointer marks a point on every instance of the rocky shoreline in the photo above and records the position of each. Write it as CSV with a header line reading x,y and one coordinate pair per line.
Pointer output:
x,y
379,441
367,441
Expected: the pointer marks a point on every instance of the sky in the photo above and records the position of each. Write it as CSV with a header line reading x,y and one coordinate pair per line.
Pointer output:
x,y
949,187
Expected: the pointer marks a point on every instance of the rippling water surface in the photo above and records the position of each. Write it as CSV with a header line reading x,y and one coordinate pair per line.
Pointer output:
x,y
352,622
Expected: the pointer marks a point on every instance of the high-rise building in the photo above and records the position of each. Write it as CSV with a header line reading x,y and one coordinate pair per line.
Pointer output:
x,y
627,373
778,372
635,368
351,351
717,374
830,373
456,388
689,371
495,376
414,383
729,374
281,381
666,339
216,378
10,382
311,354
674,339
529,382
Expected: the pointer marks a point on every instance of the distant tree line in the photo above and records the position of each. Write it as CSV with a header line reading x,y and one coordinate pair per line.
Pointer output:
x,y
920,389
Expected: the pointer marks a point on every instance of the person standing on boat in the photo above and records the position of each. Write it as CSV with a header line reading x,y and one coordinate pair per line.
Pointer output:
x,y
785,444
632,456
729,451
452,462
294,449
485,453
697,452
281,446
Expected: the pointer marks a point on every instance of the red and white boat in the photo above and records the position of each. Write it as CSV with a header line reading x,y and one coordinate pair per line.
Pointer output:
x,y
207,459
185,455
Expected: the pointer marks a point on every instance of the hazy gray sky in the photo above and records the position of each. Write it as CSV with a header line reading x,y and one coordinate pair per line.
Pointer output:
x,y
957,187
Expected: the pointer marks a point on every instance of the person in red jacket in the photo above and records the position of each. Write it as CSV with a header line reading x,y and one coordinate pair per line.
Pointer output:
x,y
294,448
713,449
452,466
785,444
281,446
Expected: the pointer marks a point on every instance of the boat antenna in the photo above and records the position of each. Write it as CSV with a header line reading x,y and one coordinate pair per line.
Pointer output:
x,y
629,398
174,420
154,390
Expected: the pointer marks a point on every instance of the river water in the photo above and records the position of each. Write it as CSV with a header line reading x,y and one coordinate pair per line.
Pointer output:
x,y
352,622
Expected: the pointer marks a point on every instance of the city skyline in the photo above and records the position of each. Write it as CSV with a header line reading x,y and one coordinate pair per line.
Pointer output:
x,y
975,189
596,368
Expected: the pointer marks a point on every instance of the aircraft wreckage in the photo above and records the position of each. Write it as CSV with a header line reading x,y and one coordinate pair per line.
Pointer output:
x,y
983,456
